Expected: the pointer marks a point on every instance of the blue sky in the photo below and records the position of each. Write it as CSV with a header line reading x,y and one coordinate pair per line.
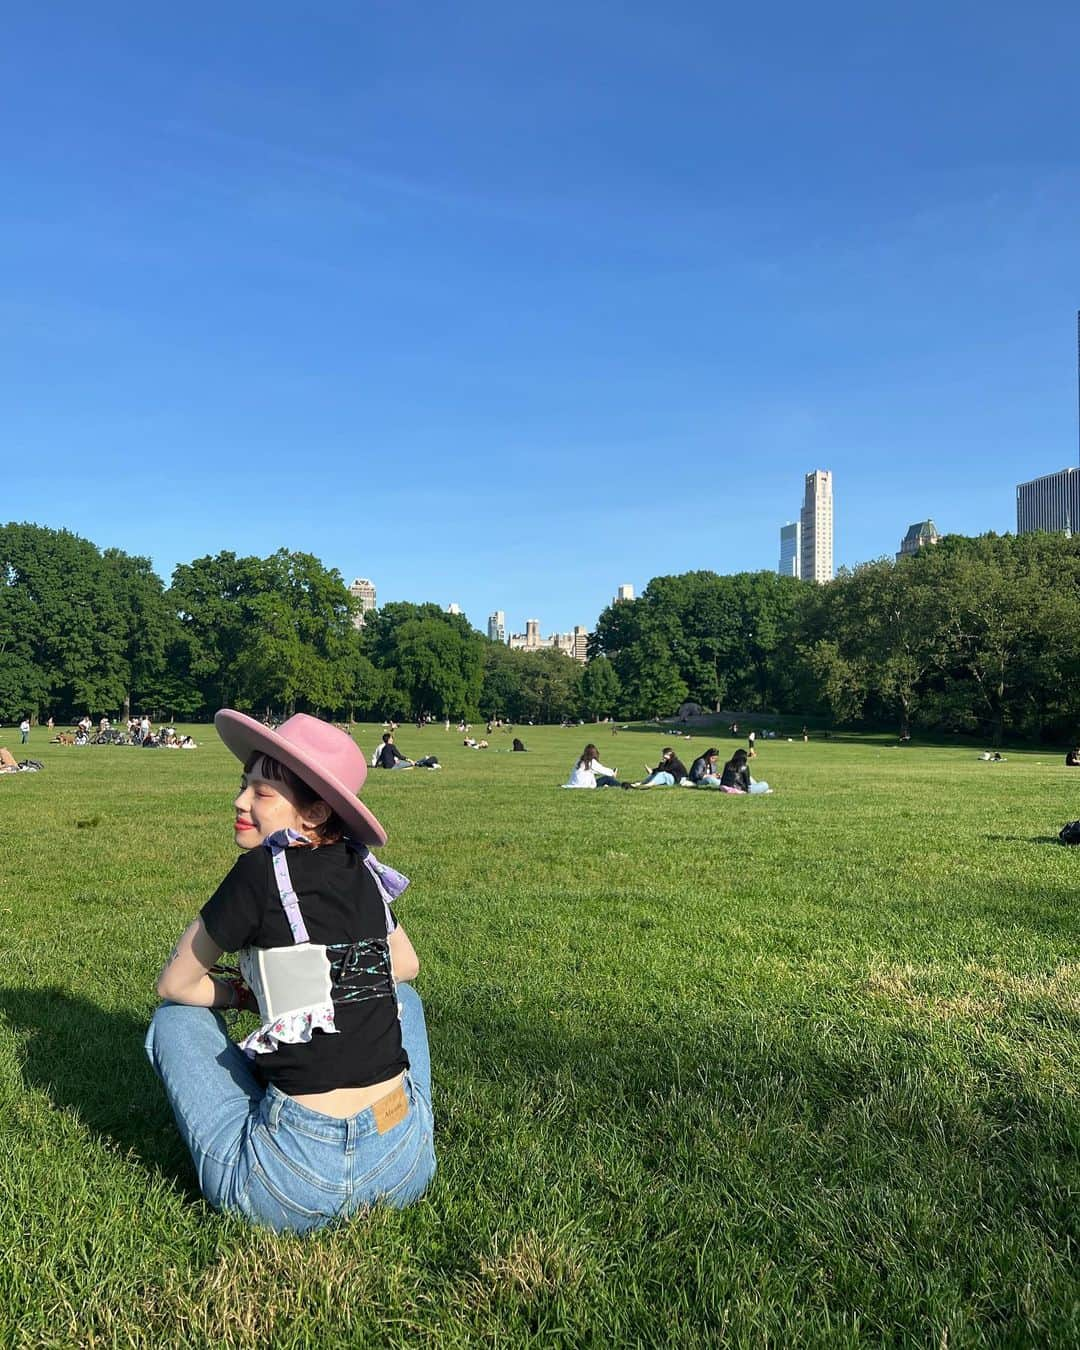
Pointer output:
x,y
506,305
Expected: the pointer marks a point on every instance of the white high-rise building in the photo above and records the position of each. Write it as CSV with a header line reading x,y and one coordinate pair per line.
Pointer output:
x,y
624,593
790,556
364,591
816,528
453,607
1050,503
497,626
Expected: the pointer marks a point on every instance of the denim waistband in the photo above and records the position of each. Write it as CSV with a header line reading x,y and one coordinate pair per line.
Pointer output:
x,y
280,1111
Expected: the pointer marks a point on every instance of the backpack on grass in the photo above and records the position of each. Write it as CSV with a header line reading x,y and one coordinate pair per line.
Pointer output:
x,y
1070,833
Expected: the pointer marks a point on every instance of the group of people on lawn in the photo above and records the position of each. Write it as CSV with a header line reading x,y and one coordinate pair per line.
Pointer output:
x,y
705,772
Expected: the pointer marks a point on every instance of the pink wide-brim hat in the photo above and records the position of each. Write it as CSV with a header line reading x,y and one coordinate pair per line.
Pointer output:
x,y
327,759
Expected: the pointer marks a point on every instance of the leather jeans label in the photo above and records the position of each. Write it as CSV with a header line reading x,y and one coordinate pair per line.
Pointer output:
x,y
390,1110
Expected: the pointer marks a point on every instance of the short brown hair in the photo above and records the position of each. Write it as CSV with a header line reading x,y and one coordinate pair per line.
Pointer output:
x,y
333,827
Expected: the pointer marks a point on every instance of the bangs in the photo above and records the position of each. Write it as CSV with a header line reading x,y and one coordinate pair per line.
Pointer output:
x,y
332,829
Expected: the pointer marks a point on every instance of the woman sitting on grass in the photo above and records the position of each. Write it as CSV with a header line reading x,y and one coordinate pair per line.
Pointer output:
x,y
736,775
588,772
668,773
326,1108
703,770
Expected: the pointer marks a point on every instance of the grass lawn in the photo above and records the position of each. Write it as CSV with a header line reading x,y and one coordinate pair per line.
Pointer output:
x,y
792,1070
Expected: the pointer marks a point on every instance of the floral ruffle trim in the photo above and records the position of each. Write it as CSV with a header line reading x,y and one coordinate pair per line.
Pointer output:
x,y
292,1028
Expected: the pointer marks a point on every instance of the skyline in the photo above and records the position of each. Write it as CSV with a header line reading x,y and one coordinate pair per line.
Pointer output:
x,y
531,304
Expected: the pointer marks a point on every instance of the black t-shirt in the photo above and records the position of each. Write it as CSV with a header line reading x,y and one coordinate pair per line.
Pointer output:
x,y
340,902
673,766
388,756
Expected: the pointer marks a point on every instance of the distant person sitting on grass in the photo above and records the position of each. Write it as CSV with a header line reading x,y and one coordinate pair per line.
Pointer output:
x,y
325,1109
736,776
668,773
588,772
1072,759
703,771
519,745
389,756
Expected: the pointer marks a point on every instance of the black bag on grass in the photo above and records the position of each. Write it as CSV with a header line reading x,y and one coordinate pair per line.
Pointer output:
x,y
1070,833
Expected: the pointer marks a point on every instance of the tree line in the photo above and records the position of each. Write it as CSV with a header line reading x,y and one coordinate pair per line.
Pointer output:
x,y
971,635
978,635
89,631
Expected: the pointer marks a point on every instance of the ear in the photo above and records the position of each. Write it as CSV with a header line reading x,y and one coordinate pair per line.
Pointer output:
x,y
318,813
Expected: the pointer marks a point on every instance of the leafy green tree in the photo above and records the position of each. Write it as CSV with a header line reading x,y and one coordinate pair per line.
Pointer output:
x,y
148,622
267,632
721,640
434,660
501,687
600,688
62,626
550,686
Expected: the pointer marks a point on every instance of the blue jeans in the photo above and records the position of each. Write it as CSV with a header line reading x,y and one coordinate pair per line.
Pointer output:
x,y
259,1153
660,779
25,736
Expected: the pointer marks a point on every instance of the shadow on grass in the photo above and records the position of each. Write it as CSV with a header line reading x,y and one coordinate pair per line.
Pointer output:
x,y
1022,839
91,1062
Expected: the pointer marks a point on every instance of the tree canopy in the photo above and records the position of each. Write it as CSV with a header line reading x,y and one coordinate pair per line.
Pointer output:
x,y
969,635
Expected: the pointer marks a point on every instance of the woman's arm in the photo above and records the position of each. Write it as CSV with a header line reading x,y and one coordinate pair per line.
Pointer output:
x,y
185,978
403,958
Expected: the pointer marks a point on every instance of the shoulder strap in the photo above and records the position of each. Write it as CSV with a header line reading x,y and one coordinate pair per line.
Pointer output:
x,y
278,844
389,882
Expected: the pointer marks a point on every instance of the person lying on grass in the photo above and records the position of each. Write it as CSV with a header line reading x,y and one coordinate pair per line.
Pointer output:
x,y
326,1107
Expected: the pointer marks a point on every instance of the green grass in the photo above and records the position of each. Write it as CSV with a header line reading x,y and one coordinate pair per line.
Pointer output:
x,y
796,1070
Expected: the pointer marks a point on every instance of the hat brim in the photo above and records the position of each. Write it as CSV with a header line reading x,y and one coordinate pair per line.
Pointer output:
x,y
243,736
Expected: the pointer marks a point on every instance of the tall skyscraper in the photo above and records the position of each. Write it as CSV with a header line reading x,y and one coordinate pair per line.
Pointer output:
x,y
497,626
816,528
1049,503
624,593
790,555
364,591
